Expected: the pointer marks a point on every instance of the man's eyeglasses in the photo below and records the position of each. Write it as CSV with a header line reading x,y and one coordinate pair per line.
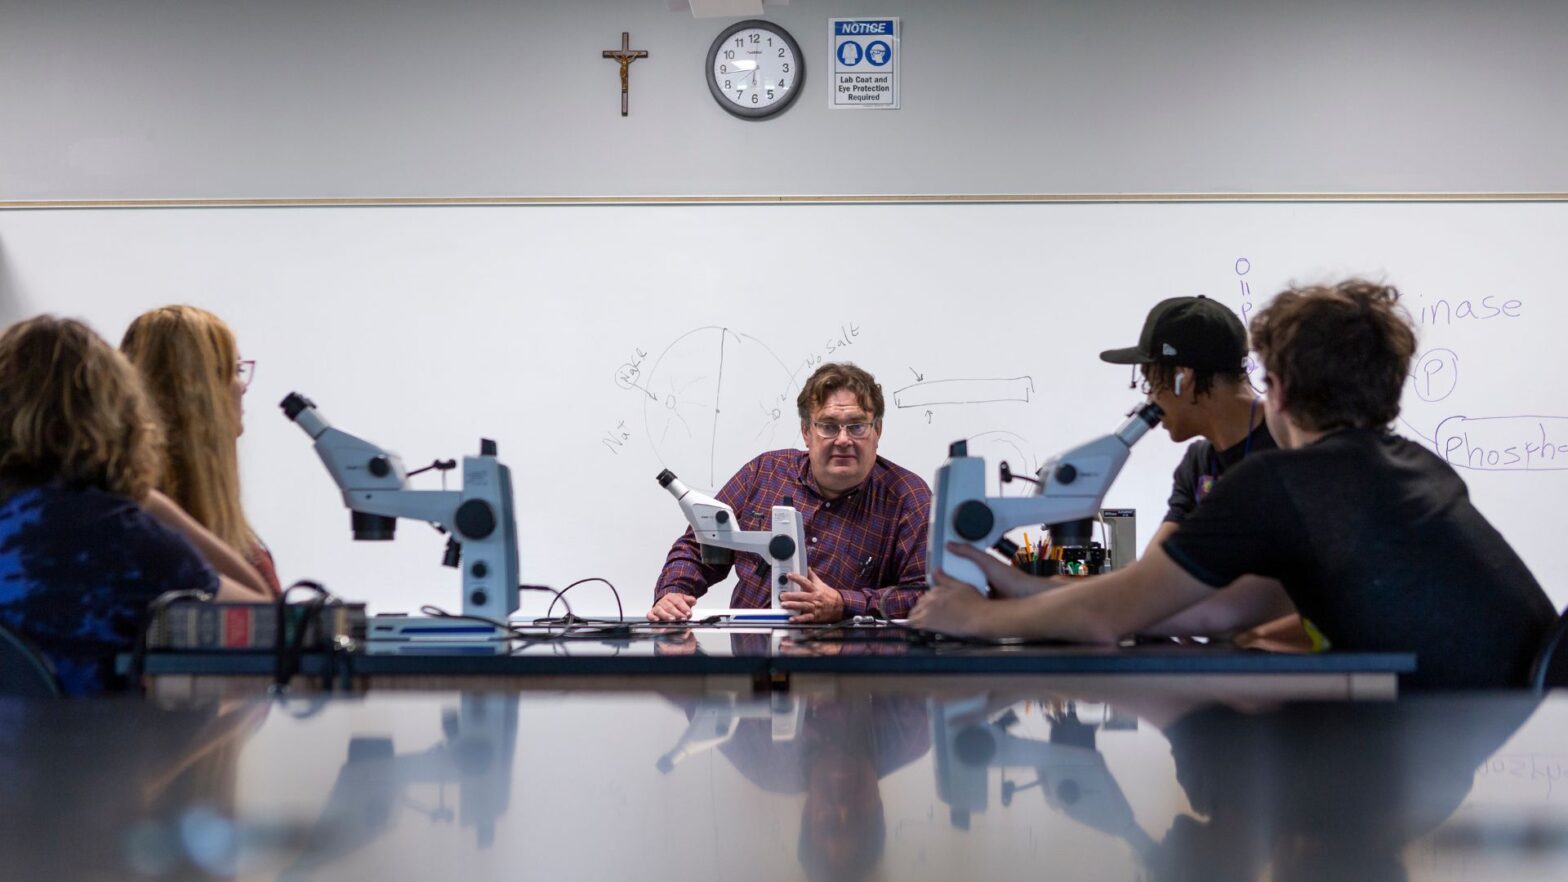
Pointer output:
x,y
245,370
828,430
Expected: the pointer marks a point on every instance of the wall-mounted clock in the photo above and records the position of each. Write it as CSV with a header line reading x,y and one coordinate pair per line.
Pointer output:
x,y
755,69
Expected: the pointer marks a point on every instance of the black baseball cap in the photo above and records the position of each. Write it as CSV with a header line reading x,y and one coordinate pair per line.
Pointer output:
x,y
1193,332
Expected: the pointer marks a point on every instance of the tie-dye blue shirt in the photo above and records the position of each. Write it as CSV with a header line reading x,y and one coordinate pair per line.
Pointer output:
x,y
77,569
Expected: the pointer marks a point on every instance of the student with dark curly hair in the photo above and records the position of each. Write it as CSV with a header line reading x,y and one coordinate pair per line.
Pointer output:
x,y
1373,537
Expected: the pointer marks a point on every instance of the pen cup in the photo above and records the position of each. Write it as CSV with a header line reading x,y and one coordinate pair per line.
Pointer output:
x,y
1036,566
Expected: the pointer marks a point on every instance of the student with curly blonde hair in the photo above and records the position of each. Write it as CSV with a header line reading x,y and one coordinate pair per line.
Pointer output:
x,y
80,450
190,366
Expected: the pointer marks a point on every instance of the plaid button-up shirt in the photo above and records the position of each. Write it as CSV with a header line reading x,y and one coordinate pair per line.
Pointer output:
x,y
869,543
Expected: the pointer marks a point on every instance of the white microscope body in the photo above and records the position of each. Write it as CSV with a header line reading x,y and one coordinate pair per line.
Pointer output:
x,y
479,519
1070,770
1071,488
783,544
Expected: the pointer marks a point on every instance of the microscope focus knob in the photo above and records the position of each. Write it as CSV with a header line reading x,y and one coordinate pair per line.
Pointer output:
x,y
380,466
721,516
475,519
973,520
974,746
781,547
1066,473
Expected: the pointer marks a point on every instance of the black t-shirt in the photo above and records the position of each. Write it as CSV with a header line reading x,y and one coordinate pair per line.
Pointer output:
x,y
1202,466
1377,543
1340,786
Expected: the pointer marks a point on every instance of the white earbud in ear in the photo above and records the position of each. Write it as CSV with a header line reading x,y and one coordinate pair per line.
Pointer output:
x,y
1177,389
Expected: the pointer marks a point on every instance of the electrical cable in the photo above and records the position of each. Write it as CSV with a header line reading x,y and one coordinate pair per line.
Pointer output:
x,y
155,607
561,595
286,653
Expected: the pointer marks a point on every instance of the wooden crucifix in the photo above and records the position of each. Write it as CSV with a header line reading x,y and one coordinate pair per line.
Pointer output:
x,y
625,55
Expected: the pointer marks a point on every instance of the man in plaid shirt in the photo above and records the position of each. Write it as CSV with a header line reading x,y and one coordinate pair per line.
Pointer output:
x,y
865,518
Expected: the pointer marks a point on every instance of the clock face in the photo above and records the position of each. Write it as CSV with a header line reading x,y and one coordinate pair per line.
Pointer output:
x,y
755,69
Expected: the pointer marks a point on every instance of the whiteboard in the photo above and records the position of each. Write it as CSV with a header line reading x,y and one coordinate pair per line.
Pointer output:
x,y
589,341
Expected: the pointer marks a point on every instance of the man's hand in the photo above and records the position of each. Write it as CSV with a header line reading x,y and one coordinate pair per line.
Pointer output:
x,y
672,607
1007,580
815,602
953,607
683,643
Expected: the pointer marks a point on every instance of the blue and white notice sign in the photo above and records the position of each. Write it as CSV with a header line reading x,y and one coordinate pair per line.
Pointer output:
x,y
864,63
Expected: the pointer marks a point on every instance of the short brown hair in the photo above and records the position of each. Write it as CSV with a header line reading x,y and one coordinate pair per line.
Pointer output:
x,y
1341,352
73,410
836,375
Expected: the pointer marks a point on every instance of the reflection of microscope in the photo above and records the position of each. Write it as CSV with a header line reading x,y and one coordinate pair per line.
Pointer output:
x,y
1070,490
718,532
715,719
479,518
1071,772
477,753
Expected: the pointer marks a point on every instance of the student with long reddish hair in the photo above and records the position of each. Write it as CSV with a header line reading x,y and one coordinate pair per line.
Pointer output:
x,y
190,366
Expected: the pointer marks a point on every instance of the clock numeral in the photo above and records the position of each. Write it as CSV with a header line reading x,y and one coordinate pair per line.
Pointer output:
x,y
786,67
728,85
724,68
754,97
770,41
770,95
781,51
738,93
730,54
781,84
739,43
756,38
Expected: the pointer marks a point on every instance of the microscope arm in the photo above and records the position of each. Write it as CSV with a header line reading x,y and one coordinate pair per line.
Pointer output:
x,y
715,721
373,479
1075,778
436,506
375,489
1072,488
715,525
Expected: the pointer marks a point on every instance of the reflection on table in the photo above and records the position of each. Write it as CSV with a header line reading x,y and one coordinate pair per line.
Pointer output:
x,y
1121,784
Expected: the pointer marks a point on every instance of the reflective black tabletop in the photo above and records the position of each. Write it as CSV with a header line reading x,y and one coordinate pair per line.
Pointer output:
x,y
641,648
1118,785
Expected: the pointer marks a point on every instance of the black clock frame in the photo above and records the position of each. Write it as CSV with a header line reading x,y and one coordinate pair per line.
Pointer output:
x,y
759,113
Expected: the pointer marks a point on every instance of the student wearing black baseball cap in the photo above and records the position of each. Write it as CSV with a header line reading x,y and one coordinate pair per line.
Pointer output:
x,y
1372,536
1192,356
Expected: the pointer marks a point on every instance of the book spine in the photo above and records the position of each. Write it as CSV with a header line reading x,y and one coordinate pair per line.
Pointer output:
x,y
237,626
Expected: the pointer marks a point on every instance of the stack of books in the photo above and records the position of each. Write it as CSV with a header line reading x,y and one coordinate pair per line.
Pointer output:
x,y
198,625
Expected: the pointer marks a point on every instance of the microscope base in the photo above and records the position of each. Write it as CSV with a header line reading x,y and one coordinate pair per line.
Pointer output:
x,y
403,628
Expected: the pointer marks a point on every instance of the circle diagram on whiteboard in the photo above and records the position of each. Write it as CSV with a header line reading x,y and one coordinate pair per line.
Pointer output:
x,y
755,69
716,397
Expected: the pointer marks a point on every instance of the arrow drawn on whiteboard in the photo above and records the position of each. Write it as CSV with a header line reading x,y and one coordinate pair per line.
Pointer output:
x,y
928,417
971,391
919,377
1420,435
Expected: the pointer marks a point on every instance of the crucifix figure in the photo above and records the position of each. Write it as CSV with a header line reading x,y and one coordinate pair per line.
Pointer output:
x,y
625,55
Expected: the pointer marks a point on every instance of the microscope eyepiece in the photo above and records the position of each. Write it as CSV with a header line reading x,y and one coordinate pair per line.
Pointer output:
x,y
294,404
665,477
